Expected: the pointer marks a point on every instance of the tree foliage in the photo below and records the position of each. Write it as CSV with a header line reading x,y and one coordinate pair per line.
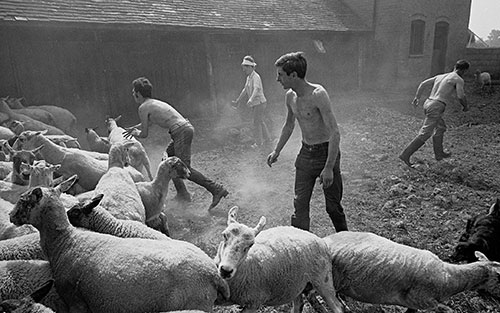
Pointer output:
x,y
494,38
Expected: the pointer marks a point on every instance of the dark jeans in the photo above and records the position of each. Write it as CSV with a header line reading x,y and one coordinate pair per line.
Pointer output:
x,y
180,146
308,165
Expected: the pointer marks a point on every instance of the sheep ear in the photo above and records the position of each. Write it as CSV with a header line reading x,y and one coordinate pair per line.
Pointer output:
x,y
480,256
260,225
34,151
495,209
231,215
41,292
36,194
65,185
118,118
42,132
8,148
217,258
87,208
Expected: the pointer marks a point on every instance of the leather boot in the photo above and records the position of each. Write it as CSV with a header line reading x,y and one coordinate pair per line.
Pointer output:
x,y
302,224
437,144
182,192
220,193
410,149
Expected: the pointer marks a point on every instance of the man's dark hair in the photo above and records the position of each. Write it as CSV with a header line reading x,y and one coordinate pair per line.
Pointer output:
x,y
143,86
293,62
462,65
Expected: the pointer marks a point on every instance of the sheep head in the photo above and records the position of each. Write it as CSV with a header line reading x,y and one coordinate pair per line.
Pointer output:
x,y
26,304
40,173
111,122
238,239
34,203
80,214
28,139
492,283
20,159
176,168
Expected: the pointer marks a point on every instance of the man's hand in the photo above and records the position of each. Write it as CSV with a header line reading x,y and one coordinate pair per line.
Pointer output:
x,y
130,132
415,102
272,158
326,177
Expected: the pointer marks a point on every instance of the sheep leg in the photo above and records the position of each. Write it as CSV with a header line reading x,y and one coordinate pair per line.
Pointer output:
x,y
328,293
147,166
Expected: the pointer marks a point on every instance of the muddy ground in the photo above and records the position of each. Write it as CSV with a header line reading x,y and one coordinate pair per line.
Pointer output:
x,y
425,207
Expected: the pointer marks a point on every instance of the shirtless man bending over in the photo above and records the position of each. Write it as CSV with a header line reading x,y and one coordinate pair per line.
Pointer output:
x,y
153,111
319,156
444,88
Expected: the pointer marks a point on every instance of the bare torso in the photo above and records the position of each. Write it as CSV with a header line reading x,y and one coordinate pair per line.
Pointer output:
x,y
446,86
160,113
308,115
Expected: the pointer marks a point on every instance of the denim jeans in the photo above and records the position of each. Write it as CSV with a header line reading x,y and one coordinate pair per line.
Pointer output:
x,y
434,124
308,165
180,146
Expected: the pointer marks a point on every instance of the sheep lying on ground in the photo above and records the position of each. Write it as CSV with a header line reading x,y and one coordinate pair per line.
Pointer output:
x,y
482,233
373,269
120,274
138,156
97,143
274,266
154,193
93,217
483,79
121,197
29,304
19,279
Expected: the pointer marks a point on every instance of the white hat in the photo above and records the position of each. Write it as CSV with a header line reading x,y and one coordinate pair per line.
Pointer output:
x,y
248,61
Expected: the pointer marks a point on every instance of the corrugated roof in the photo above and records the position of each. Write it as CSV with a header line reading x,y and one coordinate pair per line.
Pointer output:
x,y
328,15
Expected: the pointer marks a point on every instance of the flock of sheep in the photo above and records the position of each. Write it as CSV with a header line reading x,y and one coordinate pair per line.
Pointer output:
x,y
85,231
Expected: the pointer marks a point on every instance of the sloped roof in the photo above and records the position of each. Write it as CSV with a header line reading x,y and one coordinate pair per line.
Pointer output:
x,y
327,15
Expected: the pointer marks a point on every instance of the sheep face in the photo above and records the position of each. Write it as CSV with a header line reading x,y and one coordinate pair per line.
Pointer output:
x,y
238,239
81,214
111,122
41,173
177,168
32,204
27,140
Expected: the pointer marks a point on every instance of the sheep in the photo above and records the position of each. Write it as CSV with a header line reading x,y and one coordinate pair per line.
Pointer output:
x,y
373,269
274,266
482,79
481,234
6,169
19,157
7,229
29,304
90,216
138,156
28,122
64,119
6,133
35,113
61,140
120,274
41,173
25,247
154,194
97,143
121,197
20,278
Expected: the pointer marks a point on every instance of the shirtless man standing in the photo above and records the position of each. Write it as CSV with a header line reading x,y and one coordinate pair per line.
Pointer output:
x,y
153,111
319,156
444,87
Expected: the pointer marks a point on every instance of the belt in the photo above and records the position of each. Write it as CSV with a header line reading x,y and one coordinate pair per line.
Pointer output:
x,y
315,147
178,125
438,101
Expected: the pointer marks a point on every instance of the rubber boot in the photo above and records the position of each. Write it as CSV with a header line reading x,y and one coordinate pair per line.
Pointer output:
x,y
437,144
302,224
182,192
410,149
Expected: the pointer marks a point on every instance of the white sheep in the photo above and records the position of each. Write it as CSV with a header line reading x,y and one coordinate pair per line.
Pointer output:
x,y
373,269
20,278
138,156
274,266
29,304
97,143
7,229
483,79
121,197
154,194
25,247
35,113
41,173
19,157
93,217
102,273
5,169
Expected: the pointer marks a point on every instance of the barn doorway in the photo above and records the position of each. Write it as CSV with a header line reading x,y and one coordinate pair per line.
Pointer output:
x,y
440,46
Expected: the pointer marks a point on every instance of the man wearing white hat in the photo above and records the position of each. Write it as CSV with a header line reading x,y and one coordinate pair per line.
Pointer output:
x,y
256,101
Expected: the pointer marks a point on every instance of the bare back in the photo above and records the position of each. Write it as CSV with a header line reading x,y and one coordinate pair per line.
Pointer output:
x,y
160,113
313,111
446,86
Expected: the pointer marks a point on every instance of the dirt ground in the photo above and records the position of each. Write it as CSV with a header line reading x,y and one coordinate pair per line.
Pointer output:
x,y
425,207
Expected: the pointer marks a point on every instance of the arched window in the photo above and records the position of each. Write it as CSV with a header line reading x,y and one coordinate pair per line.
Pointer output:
x,y
417,37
